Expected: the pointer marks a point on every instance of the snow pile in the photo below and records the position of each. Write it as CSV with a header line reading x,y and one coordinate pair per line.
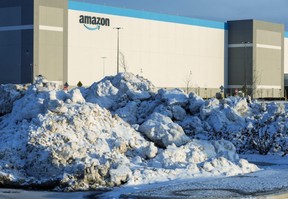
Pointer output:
x,y
115,92
194,159
119,130
54,137
190,114
249,126
260,127
163,131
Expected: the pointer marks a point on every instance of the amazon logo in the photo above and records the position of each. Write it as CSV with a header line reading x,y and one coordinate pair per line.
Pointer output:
x,y
93,23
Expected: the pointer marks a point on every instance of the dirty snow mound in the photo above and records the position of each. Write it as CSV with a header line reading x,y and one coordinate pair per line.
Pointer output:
x,y
55,137
78,139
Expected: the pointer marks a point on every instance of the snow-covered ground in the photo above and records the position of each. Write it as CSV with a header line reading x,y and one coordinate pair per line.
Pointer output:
x,y
122,131
270,182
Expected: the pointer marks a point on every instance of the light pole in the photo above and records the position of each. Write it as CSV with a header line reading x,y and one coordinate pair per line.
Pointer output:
x,y
103,58
118,28
246,43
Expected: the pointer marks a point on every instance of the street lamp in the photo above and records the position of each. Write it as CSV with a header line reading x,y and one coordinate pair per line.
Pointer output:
x,y
118,28
246,43
103,58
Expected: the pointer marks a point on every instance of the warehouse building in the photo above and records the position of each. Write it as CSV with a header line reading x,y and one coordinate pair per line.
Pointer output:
x,y
72,41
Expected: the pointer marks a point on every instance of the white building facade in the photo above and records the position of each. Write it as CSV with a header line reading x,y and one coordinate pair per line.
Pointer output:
x,y
170,51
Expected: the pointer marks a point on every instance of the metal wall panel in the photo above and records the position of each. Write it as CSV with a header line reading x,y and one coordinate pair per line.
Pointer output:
x,y
50,40
16,38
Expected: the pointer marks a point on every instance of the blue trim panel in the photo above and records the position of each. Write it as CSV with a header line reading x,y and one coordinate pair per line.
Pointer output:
x,y
80,6
286,34
13,28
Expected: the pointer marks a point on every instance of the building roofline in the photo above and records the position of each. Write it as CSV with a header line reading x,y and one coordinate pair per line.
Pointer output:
x,y
90,7
256,20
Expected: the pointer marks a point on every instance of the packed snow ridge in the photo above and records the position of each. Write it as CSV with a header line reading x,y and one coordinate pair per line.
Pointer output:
x,y
122,130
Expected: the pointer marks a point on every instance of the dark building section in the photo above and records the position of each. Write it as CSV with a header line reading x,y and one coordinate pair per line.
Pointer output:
x,y
16,41
256,58
286,85
240,43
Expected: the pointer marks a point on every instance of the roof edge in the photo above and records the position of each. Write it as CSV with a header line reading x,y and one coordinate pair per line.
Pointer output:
x,y
90,7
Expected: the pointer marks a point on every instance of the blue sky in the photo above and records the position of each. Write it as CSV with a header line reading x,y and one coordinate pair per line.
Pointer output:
x,y
218,10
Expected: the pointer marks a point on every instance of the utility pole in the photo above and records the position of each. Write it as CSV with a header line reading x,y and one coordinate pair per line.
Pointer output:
x,y
103,58
246,44
118,28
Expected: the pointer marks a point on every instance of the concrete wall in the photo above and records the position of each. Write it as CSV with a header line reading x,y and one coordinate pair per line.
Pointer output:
x,y
50,39
161,48
16,39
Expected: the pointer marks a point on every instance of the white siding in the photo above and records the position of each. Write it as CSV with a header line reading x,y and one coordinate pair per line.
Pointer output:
x,y
163,52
